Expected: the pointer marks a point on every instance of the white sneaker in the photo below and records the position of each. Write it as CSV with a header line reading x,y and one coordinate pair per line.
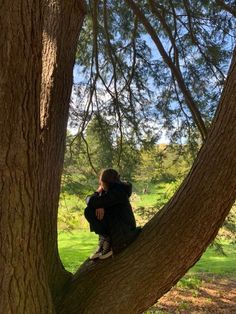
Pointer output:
x,y
99,250
106,250
95,255
104,256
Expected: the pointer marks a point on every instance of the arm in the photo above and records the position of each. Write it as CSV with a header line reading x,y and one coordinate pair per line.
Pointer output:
x,y
108,199
99,192
95,194
99,211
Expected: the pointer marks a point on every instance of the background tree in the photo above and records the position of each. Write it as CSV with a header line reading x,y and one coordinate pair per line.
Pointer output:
x,y
99,139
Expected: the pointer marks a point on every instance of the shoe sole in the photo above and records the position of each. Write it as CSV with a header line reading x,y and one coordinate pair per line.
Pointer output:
x,y
94,256
110,253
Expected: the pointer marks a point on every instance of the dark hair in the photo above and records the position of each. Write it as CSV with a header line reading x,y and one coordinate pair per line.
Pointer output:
x,y
109,176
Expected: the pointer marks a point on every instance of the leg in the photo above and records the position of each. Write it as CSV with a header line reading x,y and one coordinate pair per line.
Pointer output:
x,y
96,225
101,228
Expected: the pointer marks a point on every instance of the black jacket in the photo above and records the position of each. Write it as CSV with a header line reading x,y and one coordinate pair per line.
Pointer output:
x,y
118,213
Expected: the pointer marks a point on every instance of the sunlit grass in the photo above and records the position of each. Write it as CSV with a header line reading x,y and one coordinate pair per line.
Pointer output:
x,y
212,262
154,194
75,248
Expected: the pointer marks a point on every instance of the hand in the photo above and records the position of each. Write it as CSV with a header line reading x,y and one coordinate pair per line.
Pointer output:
x,y
99,213
100,189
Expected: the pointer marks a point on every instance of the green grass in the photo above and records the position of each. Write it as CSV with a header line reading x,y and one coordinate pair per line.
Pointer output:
x,y
191,282
75,247
71,201
155,193
212,262
145,200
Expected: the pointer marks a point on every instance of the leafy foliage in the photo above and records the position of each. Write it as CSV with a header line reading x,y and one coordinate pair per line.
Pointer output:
x,y
123,76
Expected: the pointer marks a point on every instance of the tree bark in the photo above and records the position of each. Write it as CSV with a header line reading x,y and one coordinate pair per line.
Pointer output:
x,y
38,44
23,287
62,24
175,238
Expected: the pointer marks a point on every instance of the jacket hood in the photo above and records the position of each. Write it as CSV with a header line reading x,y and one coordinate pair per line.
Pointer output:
x,y
126,186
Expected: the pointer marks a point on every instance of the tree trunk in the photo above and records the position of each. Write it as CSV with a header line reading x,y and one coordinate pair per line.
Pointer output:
x,y
62,24
23,286
36,39
175,238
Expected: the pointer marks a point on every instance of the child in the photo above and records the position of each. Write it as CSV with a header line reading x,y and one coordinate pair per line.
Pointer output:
x,y
110,215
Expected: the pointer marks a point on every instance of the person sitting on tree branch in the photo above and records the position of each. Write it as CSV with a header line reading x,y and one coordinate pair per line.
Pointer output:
x,y
110,215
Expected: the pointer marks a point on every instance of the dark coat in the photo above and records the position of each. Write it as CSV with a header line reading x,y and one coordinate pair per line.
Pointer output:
x,y
118,214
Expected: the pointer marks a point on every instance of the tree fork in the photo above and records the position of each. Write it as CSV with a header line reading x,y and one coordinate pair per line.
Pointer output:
x,y
175,238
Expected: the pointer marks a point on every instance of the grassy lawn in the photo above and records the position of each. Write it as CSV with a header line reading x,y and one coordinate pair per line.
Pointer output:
x,y
75,247
149,199
212,262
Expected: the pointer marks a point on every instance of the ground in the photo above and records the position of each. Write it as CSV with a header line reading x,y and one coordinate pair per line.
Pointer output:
x,y
215,294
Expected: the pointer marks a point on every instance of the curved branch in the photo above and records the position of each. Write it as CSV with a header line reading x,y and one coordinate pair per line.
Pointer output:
x,y
167,29
88,154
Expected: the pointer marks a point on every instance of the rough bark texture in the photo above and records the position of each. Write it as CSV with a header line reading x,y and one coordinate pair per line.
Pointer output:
x,y
38,44
62,24
23,286
175,238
